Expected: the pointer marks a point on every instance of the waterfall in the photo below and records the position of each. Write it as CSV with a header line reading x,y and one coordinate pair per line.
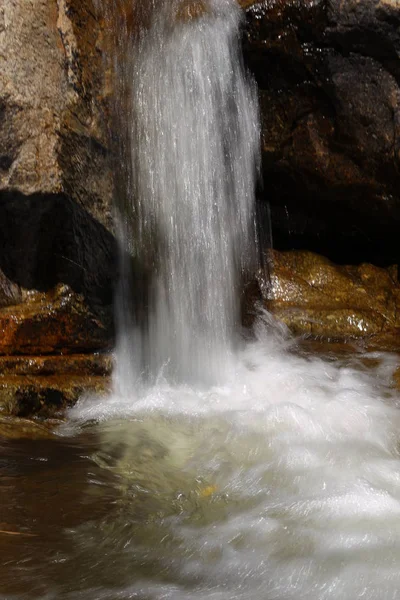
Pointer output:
x,y
231,473
193,132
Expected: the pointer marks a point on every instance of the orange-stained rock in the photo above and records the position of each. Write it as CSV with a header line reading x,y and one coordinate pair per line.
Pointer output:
x,y
315,297
51,323
62,365
46,397
44,386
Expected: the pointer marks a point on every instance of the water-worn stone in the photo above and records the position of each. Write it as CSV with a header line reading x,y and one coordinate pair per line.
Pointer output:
x,y
315,297
329,78
18,428
44,386
53,322
46,397
56,180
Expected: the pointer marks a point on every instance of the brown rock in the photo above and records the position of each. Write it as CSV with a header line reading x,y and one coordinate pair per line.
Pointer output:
x,y
46,397
315,297
18,428
44,386
54,322
190,9
62,365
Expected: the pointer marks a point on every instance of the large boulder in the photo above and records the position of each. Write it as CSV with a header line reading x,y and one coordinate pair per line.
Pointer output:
x,y
53,135
56,181
329,79
58,253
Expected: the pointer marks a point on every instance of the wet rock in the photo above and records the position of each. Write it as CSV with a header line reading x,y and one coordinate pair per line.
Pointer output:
x,y
329,77
54,322
46,397
44,386
18,428
190,9
317,298
62,365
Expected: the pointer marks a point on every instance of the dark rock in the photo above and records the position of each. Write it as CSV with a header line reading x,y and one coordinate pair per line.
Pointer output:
x,y
10,293
329,77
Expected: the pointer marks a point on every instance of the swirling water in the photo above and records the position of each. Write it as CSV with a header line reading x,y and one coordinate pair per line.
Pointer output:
x,y
228,469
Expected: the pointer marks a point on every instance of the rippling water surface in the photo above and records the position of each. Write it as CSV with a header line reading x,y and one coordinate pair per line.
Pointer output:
x,y
283,483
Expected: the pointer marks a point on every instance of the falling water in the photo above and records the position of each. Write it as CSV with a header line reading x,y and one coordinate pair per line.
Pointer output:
x,y
194,150
280,479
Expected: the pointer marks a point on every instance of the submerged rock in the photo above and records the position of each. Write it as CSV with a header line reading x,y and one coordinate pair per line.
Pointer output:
x,y
317,298
18,428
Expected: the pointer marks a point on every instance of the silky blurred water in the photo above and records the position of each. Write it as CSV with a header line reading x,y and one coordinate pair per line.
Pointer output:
x,y
193,129
282,483
220,467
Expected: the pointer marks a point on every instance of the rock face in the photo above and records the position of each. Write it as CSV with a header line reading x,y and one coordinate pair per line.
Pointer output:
x,y
44,386
317,298
329,78
55,169
53,136
58,255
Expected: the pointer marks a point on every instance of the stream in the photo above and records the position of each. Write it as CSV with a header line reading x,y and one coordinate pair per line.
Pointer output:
x,y
223,465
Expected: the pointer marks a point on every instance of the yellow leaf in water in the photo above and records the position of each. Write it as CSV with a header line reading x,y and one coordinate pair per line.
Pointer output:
x,y
208,491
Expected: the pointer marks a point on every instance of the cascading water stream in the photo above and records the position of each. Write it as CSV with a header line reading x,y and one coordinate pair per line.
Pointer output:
x,y
194,139
243,472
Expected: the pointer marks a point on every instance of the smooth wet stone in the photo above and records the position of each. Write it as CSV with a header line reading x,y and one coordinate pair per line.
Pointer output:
x,y
73,364
18,428
46,396
315,297
55,322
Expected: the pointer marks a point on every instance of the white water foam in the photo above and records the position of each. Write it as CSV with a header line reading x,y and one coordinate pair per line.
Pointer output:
x,y
303,456
297,457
